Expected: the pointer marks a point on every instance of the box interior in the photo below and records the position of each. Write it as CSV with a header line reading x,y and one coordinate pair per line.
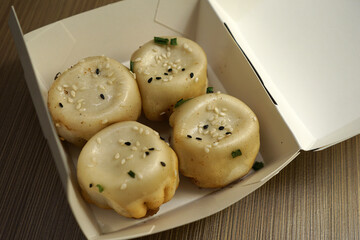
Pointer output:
x,y
116,31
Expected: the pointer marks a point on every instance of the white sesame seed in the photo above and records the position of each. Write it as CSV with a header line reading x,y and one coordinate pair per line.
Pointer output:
x,y
164,55
144,148
137,59
200,130
140,176
101,87
74,87
156,133
134,148
218,92
137,143
222,114
123,161
130,157
154,50
216,110
165,79
135,128
117,156
196,79
78,106
207,150
104,121
165,64
59,88
206,132
141,130
170,77
70,100
177,60
220,137
189,49
224,109
215,144
107,65
162,113
160,58
121,141
147,132
82,109
212,131
80,100
98,140
73,94
109,82
146,73
144,155
214,135
254,119
123,186
208,146
65,86
157,149
91,165
168,54
57,124
110,74
185,46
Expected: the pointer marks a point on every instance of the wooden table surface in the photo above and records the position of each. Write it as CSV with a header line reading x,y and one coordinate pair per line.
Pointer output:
x,y
315,197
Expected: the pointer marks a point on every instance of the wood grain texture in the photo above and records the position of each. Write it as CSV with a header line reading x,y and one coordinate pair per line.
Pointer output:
x,y
314,197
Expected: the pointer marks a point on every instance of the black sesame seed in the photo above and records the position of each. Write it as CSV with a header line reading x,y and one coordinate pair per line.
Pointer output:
x,y
206,126
221,128
162,138
57,75
149,80
166,74
183,69
191,75
97,71
163,164
151,149
158,78
198,138
170,70
147,153
60,104
102,96
128,143
228,133
189,136
90,185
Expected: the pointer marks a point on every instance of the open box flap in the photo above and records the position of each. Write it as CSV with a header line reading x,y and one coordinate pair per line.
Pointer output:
x,y
306,54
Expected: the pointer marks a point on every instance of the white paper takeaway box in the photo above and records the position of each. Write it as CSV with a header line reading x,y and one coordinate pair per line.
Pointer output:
x,y
294,64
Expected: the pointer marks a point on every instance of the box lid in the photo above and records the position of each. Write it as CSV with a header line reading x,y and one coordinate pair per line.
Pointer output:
x,y
306,54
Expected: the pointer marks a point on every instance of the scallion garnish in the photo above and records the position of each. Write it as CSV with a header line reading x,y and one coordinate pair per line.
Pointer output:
x,y
180,102
101,188
210,90
131,174
236,153
173,41
160,40
257,166
132,66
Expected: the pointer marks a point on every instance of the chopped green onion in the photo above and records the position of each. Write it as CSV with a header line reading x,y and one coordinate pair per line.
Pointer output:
x,y
160,40
210,90
131,174
173,41
257,166
101,189
180,102
236,153
132,66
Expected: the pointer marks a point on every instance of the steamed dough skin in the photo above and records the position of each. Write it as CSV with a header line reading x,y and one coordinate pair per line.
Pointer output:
x,y
128,168
168,73
91,95
208,131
